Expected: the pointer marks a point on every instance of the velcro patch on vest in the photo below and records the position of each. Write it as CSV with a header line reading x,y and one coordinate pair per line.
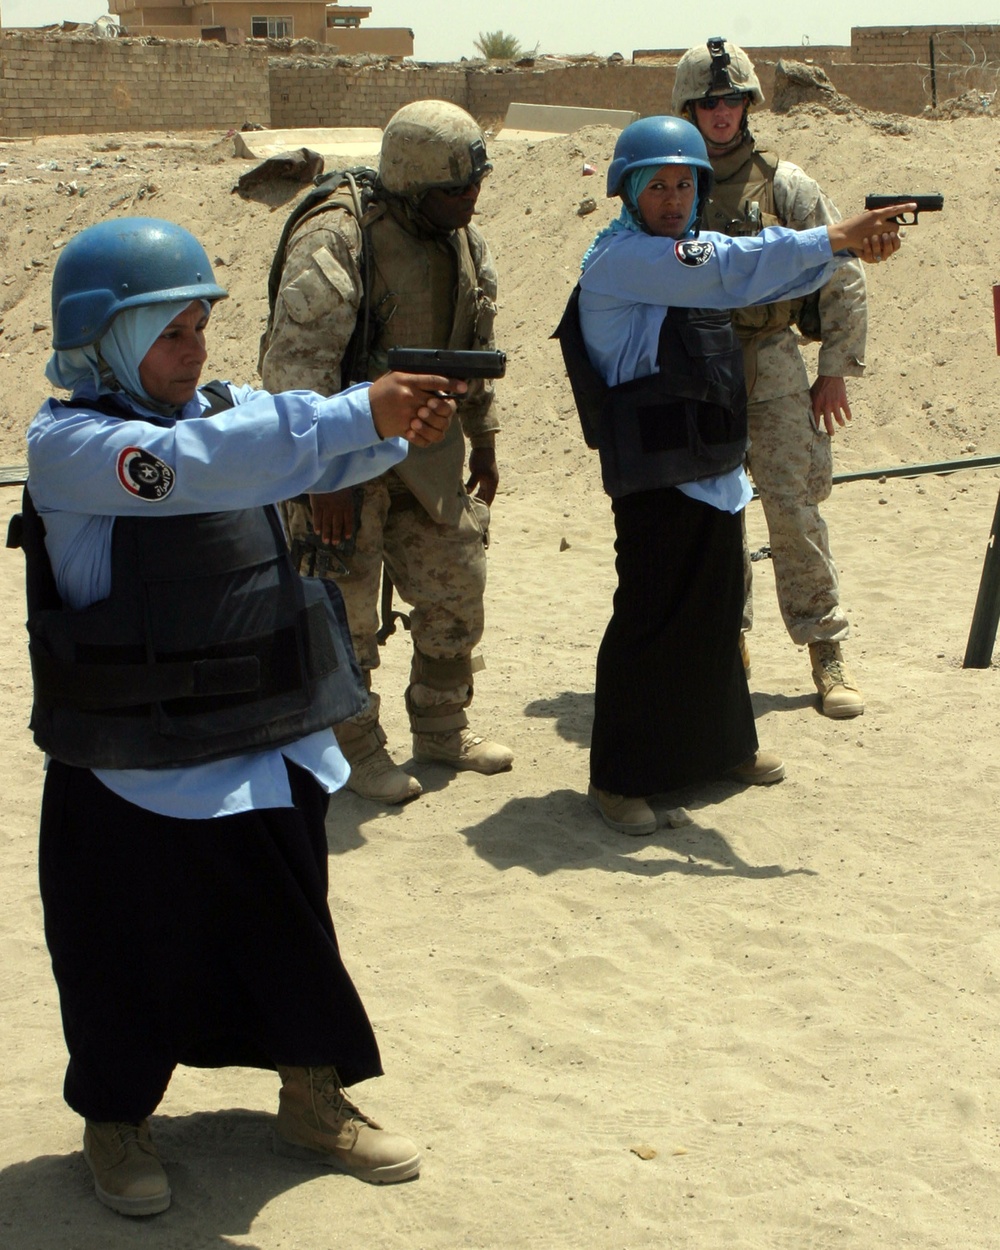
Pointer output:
x,y
694,252
143,474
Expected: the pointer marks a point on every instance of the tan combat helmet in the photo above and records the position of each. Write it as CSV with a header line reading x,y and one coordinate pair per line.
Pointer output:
x,y
431,143
713,68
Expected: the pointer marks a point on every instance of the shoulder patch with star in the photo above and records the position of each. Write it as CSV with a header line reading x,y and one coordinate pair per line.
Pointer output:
x,y
694,252
145,475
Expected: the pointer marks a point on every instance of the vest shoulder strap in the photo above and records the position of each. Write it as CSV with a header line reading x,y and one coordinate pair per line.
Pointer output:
x,y
352,189
220,397
589,388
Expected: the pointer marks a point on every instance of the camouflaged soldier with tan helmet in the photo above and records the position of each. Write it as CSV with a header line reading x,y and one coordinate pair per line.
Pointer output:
x,y
714,69
428,144
791,422
404,267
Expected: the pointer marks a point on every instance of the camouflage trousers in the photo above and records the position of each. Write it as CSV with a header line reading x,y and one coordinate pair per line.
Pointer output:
x,y
792,467
440,570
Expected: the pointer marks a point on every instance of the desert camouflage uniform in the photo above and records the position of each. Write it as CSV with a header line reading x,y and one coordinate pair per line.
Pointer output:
x,y
429,290
790,461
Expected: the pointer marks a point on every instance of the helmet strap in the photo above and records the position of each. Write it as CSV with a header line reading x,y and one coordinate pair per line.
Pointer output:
x,y
745,124
424,222
736,141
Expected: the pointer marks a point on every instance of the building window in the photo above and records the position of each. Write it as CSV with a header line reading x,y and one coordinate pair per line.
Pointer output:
x,y
343,21
271,28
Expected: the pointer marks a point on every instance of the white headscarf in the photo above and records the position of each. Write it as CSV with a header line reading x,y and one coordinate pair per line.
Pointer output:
x,y
112,363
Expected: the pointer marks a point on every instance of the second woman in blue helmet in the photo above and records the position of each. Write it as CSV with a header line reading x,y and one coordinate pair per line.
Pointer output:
x,y
660,371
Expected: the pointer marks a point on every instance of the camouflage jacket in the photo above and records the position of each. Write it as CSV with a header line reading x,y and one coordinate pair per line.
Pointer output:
x,y
843,313
428,290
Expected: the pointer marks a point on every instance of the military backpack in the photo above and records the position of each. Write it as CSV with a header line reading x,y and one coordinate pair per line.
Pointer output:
x,y
352,189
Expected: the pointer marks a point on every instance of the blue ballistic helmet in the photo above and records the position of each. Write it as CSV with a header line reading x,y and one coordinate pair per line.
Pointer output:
x,y
656,141
125,263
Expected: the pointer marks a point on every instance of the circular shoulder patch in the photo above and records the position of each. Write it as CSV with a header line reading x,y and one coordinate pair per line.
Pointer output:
x,y
144,474
694,251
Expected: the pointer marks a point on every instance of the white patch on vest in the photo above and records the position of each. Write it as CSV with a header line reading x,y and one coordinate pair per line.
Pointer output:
x,y
144,474
694,252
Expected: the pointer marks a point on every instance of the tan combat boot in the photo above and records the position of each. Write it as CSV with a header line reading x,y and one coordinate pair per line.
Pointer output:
x,y
462,749
621,813
128,1175
436,699
374,773
838,692
318,1122
763,768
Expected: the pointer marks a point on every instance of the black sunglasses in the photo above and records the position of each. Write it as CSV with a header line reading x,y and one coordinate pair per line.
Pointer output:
x,y
456,191
733,100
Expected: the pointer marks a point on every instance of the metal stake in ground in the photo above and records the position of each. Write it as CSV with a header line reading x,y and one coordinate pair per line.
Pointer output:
x,y
986,616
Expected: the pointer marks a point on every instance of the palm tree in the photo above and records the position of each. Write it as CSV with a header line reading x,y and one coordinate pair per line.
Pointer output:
x,y
497,46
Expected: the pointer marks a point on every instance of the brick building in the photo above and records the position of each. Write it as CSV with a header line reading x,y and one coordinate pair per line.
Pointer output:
x,y
339,26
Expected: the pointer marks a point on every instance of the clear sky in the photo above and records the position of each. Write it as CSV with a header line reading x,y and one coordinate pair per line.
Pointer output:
x,y
445,30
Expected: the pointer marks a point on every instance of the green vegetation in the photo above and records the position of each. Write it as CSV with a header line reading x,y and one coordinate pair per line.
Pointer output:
x,y
497,46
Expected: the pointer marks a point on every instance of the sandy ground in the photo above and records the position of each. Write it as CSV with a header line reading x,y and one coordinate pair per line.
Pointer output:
x,y
769,1029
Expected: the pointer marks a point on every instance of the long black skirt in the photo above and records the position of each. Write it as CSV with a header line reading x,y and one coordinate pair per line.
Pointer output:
x,y
672,706
202,942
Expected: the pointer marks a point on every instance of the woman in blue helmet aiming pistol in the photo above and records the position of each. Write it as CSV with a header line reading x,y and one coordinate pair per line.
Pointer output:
x,y
185,679
658,375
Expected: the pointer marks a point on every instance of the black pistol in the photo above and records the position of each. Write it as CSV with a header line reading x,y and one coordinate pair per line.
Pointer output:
x,y
464,365
931,203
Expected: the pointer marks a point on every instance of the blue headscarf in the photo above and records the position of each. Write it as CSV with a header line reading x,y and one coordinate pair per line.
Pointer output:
x,y
112,363
629,218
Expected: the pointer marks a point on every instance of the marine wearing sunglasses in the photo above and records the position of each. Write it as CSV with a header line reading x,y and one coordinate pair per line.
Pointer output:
x,y
732,99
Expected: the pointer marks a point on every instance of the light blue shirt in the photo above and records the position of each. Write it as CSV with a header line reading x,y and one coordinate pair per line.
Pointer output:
x,y
266,448
630,279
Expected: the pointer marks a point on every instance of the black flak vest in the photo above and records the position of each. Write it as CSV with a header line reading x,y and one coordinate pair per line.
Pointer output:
x,y
209,645
686,422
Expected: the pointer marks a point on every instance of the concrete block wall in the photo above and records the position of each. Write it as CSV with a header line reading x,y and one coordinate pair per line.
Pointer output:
x,y
304,93
644,89
888,45
369,97
95,86
885,88
950,61
318,95
958,45
109,85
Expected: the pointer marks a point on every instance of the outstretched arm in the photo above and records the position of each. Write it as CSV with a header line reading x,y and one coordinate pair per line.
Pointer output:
x,y
871,235
412,406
